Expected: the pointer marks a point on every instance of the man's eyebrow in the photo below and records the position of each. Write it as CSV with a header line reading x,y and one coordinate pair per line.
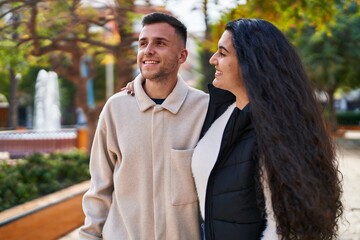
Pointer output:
x,y
156,39
223,48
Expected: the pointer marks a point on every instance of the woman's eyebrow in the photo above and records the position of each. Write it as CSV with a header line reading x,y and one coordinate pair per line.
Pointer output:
x,y
223,48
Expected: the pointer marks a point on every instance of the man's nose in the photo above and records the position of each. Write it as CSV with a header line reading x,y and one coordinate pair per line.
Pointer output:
x,y
149,50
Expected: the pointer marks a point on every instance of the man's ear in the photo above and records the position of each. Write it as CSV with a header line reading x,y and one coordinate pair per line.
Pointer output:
x,y
183,56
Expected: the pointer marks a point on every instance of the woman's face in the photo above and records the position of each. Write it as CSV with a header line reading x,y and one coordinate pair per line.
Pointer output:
x,y
228,74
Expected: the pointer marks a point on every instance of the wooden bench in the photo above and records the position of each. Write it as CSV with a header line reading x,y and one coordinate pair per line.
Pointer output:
x,y
48,217
342,130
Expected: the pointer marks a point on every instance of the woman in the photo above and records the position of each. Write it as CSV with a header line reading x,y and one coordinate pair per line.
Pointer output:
x,y
265,166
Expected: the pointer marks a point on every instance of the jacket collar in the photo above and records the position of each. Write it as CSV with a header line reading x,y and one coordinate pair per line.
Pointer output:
x,y
172,103
219,96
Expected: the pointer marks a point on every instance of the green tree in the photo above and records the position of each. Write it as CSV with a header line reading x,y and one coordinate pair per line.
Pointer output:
x,y
206,48
286,14
332,57
64,31
325,32
13,62
51,29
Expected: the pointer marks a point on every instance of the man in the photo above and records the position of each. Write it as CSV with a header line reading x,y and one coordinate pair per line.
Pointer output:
x,y
140,165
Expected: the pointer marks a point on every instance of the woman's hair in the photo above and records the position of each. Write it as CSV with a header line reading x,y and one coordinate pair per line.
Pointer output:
x,y
297,151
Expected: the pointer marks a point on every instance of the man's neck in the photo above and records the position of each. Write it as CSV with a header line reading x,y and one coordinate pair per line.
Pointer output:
x,y
159,89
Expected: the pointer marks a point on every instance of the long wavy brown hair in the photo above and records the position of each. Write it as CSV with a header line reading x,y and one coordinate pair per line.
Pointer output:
x,y
298,153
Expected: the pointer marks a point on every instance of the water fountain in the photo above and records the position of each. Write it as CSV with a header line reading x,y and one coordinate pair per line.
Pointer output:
x,y
47,135
47,115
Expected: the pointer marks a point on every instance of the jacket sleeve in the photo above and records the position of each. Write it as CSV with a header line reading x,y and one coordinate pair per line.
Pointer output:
x,y
97,200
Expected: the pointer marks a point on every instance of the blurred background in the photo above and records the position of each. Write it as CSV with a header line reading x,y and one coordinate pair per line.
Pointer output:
x,y
61,60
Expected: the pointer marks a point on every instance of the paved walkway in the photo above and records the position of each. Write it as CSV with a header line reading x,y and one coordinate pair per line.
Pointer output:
x,y
350,168
349,163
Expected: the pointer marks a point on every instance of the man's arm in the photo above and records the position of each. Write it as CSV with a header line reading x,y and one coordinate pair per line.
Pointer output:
x,y
97,200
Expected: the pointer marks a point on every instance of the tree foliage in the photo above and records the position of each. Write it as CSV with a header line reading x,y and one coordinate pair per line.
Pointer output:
x,y
286,14
55,29
12,63
326,34
332,57
66,32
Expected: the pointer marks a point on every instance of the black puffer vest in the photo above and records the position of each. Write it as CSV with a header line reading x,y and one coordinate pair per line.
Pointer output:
x,y
232,206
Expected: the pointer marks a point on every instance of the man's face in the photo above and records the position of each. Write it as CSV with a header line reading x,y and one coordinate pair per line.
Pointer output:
x,y
160,52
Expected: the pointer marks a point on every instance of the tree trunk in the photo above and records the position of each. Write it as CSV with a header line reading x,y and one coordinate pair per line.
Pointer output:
x,y
81,96
13,102
73,74
125,70
124,52
332,112
207,70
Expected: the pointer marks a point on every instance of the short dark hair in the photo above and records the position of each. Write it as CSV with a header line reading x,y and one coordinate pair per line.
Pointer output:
x,y
158,17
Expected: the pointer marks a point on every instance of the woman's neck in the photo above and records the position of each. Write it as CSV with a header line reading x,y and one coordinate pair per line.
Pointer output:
x,y
241,99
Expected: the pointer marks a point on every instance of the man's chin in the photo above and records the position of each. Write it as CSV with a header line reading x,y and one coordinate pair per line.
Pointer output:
x,y
148,75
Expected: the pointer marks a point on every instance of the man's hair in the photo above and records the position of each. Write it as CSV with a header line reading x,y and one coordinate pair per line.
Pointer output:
x,y
158,17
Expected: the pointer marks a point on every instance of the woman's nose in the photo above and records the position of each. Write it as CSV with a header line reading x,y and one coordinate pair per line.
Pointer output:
x,y
212,60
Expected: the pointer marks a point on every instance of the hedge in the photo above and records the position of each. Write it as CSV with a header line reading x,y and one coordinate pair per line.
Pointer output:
x,y
40,174
348,117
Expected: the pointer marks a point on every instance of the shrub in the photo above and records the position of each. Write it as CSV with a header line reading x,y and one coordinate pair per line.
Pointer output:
x,y
348,117
40,174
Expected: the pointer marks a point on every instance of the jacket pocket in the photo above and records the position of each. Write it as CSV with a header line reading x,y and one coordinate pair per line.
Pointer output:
x,y
182,182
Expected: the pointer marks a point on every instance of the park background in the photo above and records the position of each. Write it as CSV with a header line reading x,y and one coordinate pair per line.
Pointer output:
x,y
91,46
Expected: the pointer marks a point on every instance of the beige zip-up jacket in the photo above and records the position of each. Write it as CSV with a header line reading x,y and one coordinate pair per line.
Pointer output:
x,y
141,180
